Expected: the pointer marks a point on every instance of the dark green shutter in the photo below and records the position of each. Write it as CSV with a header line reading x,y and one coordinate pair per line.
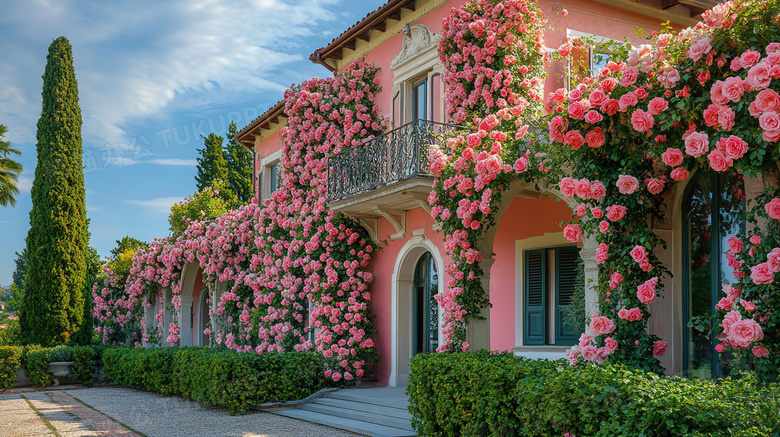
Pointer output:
x,y
565,278
534,331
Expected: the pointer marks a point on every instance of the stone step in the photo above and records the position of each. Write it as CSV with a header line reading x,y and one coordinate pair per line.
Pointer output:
x,y
365,408
365,428
355,396
379,419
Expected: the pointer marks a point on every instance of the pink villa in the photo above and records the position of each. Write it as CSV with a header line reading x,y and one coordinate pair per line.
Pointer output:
x,y
385,183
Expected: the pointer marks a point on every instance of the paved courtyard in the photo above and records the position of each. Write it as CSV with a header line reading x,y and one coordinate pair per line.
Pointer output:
x,y
118,411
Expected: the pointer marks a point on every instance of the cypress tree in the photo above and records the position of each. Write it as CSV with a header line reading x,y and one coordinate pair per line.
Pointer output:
x,y
57,240
239,167
211,162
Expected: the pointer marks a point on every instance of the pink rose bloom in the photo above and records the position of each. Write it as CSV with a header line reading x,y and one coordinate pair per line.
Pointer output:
x,y
585,340
716,93
646,291
601,325
660,347
735,245
573,233
726,118
610,344
574,139
627,184
582,188
767,100
696,51
745,332
749,58
642,121
734,147
760,351
623,314
595,138
758,76
773,260
679,174
724,304
769,121
770,136
773,209
638,253
634,314
604,226
627,100
711,115
520,165
657,105
581,210
592,117
616,212
629,77
729,320
577,109
567,186
589,352
654,186
610,107
672,157
755,239
597,212
697,144
575,95
602,253
703,77
608,84
747,305
597,190
733,89
597,98
762,274
719,161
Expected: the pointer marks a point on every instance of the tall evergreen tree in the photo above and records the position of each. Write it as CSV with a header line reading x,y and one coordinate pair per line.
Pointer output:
x,y
239,167
211,162
127,242
9,171
57,241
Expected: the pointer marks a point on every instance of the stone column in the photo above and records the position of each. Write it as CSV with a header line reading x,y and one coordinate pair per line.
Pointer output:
x,y
167,316
149,316
185,321
588,255
478,331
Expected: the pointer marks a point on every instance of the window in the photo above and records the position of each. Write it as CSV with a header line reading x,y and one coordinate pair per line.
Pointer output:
x,y
426,307
714,211
419,100
270,175
274,170
550,276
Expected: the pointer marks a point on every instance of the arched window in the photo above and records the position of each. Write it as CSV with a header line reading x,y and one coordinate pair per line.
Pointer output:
x,y
713,210
425,308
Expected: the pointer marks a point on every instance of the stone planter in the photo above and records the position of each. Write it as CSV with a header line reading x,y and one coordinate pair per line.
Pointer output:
x,y
21,378
98,376
60,371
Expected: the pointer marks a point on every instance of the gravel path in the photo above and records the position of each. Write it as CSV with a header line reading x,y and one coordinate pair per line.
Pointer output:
x,y
121,411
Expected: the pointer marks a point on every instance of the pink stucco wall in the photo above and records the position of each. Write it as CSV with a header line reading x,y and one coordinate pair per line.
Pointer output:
x,y
523,219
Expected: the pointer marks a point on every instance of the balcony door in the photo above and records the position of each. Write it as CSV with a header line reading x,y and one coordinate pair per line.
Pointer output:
x,y
420,100
425,311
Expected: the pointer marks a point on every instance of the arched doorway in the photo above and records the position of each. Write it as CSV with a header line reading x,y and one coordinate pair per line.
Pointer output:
x,y
713,211
425,317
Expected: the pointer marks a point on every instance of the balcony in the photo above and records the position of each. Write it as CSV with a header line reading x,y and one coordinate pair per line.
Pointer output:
x,y
386,176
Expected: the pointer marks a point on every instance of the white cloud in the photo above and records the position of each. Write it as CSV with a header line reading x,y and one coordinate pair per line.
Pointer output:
x,y
24,183
134,59
157,205
174,161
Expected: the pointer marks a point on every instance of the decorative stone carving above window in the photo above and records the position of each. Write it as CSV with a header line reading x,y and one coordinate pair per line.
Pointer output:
x,y
418,39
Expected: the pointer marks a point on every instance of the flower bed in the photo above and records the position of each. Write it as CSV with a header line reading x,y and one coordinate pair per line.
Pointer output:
x,y
222,378
500,394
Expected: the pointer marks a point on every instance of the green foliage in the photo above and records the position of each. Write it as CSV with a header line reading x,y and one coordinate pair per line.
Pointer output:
x,y
37,359
10,358
127,242
222,378
83,364
94,274
18,285
231,164
203,206
9,171
57,242
500,394
60,353
11,335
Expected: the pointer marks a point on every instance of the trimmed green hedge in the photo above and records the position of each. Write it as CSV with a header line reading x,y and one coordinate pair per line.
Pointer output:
x,y
499,394
222,378
10,357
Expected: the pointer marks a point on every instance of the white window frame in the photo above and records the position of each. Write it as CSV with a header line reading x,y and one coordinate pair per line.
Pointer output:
x,y
265,174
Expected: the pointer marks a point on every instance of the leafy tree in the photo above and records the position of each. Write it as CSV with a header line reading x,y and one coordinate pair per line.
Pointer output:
x,y
127,242
53,307
9,171
205,205
19,278
239,167
94,274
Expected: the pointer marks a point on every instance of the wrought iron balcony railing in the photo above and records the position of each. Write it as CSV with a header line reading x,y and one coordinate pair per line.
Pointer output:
x,y
395,156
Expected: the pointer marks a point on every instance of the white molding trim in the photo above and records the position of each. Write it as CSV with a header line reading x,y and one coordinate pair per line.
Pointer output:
x,y
418,41
402,283
271,159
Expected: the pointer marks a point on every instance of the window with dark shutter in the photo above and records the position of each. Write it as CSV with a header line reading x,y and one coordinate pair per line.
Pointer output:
x,y
535,297
565,278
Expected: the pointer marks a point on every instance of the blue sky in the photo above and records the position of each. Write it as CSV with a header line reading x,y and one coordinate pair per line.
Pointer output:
x,y
153,76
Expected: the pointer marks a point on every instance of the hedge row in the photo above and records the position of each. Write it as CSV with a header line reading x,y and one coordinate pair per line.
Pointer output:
x,y
220,378
35,359
500,394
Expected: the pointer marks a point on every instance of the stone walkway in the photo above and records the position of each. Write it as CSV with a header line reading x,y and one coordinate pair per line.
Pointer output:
x,y
125,412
